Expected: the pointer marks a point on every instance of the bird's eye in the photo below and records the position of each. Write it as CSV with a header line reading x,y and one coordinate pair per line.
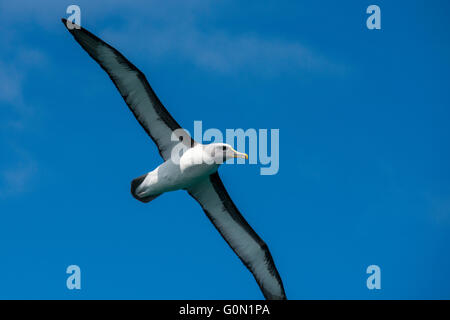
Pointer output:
x,y
224,148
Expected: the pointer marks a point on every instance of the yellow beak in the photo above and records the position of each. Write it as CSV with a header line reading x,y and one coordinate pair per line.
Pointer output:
x,y
240,155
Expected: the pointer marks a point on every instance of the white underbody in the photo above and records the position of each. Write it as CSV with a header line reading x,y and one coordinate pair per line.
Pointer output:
x,y
173,175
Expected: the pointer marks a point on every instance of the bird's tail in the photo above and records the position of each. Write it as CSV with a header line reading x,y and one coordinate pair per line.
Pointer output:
x,y
135,183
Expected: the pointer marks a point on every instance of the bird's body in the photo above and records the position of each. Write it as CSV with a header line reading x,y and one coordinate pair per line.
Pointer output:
x,y
187,165
193,166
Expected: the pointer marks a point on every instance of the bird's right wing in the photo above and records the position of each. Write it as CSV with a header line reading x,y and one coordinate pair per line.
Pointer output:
x,y
136,91
250,248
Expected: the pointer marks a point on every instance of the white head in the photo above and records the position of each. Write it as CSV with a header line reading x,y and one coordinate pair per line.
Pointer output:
x,y
221,152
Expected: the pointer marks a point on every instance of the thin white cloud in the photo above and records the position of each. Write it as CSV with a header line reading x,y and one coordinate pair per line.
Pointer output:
x,y
17,178
17,62
14,73
165,29
10,84
220,51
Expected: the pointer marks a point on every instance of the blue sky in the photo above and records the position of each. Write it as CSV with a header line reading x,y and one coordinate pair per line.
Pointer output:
x,y
363,117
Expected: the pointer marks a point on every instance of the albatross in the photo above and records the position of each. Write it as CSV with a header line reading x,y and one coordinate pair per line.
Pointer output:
x,y
194,169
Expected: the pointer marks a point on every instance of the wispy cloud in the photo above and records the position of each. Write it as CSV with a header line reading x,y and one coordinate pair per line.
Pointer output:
x,y
18,62
10,84
17,178
220,51
170,29
14,72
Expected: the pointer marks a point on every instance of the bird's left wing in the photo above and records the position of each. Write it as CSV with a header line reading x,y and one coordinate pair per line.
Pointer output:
x,y
136,91
251,249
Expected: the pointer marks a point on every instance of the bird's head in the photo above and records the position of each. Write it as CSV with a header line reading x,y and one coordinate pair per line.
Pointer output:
x,y
221,152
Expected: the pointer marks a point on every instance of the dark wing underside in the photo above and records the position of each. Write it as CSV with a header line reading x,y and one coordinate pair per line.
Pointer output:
x,y
136,91
251,249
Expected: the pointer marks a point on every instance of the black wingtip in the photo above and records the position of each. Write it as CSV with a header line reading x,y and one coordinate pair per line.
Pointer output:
x,y
75,26
64,21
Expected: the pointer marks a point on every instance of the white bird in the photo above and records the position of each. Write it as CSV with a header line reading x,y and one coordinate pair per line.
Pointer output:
x,y
195,171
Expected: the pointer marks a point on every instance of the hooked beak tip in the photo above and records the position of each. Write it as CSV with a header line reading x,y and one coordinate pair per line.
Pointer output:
x,y
241,155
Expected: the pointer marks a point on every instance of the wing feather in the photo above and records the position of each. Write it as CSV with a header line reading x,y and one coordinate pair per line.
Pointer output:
x,y
245,242
136,91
